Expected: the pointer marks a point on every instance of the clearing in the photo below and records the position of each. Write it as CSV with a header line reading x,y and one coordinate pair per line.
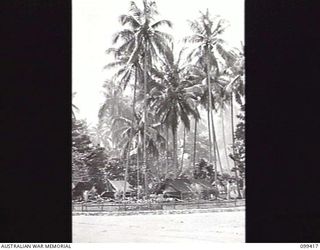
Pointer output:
x,y
207,227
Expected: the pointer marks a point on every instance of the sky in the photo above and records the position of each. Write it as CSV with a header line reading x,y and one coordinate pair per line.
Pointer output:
x,y
95,21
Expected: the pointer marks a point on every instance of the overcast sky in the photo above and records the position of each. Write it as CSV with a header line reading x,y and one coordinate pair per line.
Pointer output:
x,y
95,21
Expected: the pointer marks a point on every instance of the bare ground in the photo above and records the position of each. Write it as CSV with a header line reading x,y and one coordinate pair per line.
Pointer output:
x,y
206,227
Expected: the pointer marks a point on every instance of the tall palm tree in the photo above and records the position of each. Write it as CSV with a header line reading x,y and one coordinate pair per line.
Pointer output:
x,y
125,74
134,134
144,46
209,49
174,97
236,88
198,75
115,104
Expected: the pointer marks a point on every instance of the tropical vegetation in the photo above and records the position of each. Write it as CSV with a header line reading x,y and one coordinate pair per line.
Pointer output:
x,y
184,116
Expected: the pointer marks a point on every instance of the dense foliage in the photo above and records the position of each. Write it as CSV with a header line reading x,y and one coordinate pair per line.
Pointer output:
x,y
167,127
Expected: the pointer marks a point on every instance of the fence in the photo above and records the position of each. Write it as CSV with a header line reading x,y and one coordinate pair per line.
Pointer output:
x,y
114,207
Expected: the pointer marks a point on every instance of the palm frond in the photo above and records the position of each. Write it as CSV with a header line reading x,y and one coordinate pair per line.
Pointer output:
x,y
228,55
114,64
195,27
131,20
117,120
197,38
164,36
161,23
162,48
135,10
125,34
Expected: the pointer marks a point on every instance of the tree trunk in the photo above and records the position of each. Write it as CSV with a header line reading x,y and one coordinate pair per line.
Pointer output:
x,y
218,154
167,151
130,137
224,139
145,121
210,113
126,169
183,148
195,144
210,142
138,167
233,147
216,148
175,150
134,120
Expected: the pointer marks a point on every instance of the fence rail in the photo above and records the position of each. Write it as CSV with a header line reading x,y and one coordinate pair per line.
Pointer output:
x,y
114,207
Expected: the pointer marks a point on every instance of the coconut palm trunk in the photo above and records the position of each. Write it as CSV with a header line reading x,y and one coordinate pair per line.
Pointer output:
x,y
138,167
167,150
195,143
216,148
210,113
218,155
126,169
183,148
224,139
209,133
175,149
131,137
233,147
145,120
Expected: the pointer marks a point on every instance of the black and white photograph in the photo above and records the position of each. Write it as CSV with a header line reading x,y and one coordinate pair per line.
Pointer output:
x,y
158,121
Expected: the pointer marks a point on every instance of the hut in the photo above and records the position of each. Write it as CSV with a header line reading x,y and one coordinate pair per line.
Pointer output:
x,y
114,188
80,188
178,188
204,188
185,188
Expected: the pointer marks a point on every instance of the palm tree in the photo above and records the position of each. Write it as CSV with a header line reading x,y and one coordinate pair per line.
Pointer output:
x,y
134,134
124,75
236,88
208,47
198,76
115,104
144,42
174,97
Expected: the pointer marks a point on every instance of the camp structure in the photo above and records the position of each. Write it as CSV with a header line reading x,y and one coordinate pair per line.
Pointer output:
x,y
81,188
185,188
178,188
204,189
114,188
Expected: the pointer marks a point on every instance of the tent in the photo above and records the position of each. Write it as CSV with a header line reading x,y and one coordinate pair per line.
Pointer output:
x,y
204,188
178,188
185,188
113,187
80,187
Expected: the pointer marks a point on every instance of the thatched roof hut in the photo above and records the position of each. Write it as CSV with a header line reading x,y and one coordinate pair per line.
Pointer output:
x,y
113,187
178,188
80,187
185,188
